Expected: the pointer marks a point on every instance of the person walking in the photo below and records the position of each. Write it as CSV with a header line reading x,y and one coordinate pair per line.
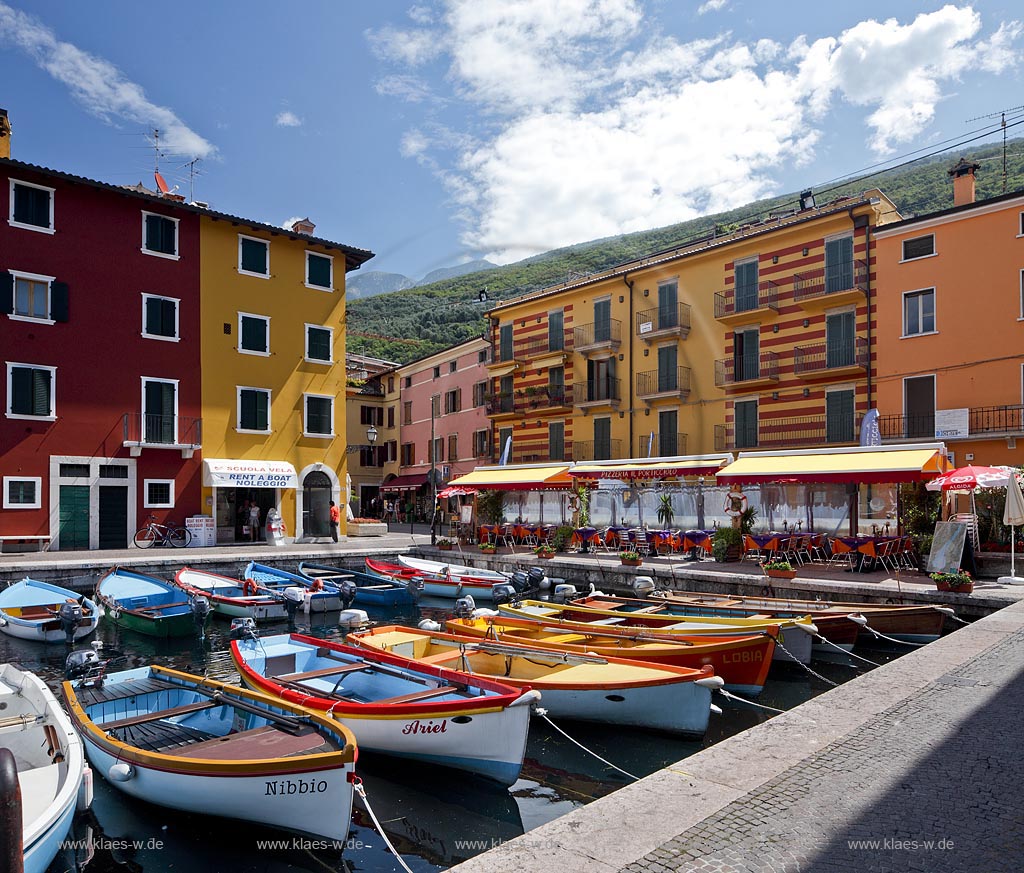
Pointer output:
x,y
254,521
335,519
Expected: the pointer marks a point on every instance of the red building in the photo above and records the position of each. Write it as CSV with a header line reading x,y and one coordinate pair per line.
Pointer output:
x,y
99,327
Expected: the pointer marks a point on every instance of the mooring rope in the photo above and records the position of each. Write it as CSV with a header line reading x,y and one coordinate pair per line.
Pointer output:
x,y
882,636
945,610
543,714
845,652
796,660
727,694
358,785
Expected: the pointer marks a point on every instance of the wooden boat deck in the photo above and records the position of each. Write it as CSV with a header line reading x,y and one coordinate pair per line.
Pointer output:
x,y
262,742
160,736
119,691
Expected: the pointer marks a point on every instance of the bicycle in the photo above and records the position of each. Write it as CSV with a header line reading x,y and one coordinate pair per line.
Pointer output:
x,y
154,534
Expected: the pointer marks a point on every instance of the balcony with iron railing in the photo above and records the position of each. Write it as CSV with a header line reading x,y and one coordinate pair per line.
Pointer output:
x,y
983,422
599,450
832,285
747,372
832,359
543,397
500,405
729,438
178,432
541,347
597,393
658,323
660,445
600,336
674,382
801,431
745,305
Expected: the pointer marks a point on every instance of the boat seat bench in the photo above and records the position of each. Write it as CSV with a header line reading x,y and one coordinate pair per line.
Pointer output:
x,y
159,714
419,695
160,606
316,674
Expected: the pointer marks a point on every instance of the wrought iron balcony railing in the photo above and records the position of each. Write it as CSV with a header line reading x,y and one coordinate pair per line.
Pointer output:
x,y
735,371
830,356
831,279
734,301
672,381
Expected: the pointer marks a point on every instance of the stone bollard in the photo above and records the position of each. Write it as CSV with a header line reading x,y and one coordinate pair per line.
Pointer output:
x,y
11,853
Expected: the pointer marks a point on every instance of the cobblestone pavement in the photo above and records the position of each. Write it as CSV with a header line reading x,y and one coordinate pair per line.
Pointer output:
x,y
932,784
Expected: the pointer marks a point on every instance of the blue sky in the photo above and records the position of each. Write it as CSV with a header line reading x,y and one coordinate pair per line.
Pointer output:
x,y
436,132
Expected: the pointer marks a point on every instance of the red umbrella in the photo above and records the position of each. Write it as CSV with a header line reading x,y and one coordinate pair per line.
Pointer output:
x,y
456,491
970,477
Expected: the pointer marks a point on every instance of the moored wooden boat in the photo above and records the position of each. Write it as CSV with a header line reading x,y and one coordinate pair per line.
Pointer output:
x,y
835,627
230,597
148,605
321,597
583,687
49,760
742,661
371,589
449,587
194,744
438,568
34,610
794,642
394,706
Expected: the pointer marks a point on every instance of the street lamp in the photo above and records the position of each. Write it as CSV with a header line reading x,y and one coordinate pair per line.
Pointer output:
x,y
371,435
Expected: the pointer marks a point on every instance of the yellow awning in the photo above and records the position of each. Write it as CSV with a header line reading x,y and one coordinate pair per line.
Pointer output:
x,y
882,464
660,468
516,477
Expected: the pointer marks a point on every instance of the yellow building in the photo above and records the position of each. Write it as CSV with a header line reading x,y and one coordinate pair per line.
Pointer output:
x,y
756,338
273,375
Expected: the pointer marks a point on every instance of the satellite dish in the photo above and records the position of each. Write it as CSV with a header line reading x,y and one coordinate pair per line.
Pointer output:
x,y
161,185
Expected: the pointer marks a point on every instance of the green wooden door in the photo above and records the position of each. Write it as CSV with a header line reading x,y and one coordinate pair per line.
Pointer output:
x,y
74,517
113,523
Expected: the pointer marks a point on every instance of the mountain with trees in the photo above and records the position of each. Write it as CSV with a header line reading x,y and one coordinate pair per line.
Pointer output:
x,y
413,322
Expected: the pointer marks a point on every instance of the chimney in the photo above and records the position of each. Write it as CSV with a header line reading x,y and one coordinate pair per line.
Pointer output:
x,y
963,181
5,135
303,225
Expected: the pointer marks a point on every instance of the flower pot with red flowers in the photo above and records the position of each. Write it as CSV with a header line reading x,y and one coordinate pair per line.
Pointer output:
x,y
545,552
630,558
959,582
779,569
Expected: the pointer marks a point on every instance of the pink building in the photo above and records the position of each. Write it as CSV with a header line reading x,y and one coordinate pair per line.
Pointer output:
x,y
453,383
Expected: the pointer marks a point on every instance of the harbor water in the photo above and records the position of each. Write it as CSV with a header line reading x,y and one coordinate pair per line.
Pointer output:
x,y
434,817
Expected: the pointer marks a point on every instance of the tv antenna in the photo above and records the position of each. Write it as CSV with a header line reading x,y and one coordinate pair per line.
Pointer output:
x,y
193,171
154,141
1001,115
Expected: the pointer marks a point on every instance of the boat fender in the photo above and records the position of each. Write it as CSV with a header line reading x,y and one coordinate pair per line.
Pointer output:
x,y
717,710
712,682
316,585
85,790
643,584
120,772
527,698
484,612
250,588
811,628
945,610
857,618
428,624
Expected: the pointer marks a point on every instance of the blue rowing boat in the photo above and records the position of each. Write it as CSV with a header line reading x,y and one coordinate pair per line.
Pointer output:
x,y
371,589
150,605
271,580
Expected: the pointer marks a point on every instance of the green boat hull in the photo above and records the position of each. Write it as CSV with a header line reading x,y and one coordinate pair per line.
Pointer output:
x,y
164,627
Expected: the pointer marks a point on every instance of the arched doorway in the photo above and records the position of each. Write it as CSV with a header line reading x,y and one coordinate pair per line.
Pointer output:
x,y
317,488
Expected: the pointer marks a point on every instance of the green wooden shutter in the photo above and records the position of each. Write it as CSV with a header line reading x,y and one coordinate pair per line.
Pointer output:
x,y
247,410
602,320
153,234
667,368
319,342
746,286
21,391
668,306
158,415
6,293
59,301
839,340
838,264
41,391
839,416
254,256
318,271
254,334
556,331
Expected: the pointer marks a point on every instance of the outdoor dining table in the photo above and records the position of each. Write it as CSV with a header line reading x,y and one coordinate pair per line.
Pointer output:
x,y
864,549
697,539
488,533
584,536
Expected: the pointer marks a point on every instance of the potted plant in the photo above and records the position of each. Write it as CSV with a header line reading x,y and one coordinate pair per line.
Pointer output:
x,y
959,581
488,548
630,558
726,544
665,512
444,544
544,551
779,569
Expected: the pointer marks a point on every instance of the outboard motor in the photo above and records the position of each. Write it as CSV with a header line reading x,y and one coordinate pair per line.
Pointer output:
x,y
70,614
464,607
415,587
536,578
80,663
244,629
643,585
346,593
200,607
293,598
564,592
502,592
520,581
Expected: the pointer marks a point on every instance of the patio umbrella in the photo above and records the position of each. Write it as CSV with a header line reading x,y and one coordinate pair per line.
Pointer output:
x,y
966,479
1013,515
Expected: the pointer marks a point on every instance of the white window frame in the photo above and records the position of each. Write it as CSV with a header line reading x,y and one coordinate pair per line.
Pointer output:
x,y
142,405
38,504
238,409
243,351
305,279
903,242
147,504
10,217
177,238
903,312
177,318
242,272
31,277
305,416
53,392
306,356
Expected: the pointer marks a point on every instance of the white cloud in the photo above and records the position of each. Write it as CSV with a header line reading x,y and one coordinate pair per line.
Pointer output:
x,y
411,89
599,124
412,47
287,225
711,6
287,119
97,84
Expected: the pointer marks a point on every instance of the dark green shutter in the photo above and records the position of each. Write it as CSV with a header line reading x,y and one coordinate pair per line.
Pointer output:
x,y
159,412
40,208
746,286
839,264
41,392
21,391
318,271
839,339
153,235
556,331
6,293
602,320
319,344
254,334
318,415
745,423
59,301
668,306
31,206
254,411
839,416
160,233
254,256
667,368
